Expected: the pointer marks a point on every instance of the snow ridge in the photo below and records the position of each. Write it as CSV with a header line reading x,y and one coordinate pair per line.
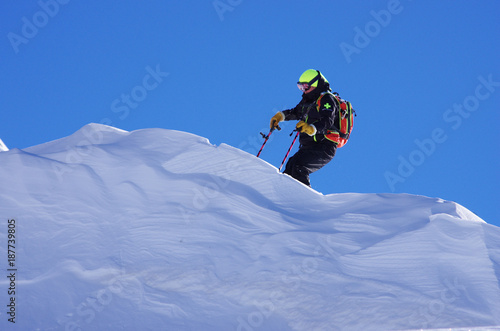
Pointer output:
x,y
3,147
159,229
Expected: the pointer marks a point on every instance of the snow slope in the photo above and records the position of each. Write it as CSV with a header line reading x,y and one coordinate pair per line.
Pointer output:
x,y
3,147
160,230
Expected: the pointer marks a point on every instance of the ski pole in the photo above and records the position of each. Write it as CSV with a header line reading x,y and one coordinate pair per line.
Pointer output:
x,y
266,138
286,156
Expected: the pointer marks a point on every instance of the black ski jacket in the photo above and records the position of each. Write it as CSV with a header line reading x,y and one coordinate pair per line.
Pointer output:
x,y
323,118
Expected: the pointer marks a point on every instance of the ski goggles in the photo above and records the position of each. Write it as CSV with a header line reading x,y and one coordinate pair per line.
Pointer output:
x,y
303,86
306,86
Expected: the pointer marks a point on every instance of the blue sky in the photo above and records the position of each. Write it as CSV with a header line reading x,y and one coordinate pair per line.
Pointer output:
x,y
423,76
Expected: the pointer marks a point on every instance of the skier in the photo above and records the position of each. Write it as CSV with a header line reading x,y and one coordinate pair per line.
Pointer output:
x,y
315,150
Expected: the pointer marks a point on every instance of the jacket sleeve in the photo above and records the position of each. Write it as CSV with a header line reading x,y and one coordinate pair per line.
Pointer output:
x,y
293,113
327,113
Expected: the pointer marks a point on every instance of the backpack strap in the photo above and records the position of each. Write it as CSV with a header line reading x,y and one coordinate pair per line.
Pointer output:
x,y
318,102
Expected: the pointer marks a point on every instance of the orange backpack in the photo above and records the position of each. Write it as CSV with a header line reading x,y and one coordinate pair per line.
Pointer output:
x,y
341,131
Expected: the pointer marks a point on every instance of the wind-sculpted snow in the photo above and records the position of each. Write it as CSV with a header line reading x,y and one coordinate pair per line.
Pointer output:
x,y
160,230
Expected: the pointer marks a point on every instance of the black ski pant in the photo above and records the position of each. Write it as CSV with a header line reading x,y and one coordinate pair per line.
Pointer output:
x,y
309,159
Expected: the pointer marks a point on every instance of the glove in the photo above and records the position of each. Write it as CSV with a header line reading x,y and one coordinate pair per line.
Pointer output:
x,y
302,126
279,117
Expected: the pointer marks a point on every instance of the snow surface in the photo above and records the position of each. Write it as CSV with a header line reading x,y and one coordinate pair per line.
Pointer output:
x,y
3,147
160,230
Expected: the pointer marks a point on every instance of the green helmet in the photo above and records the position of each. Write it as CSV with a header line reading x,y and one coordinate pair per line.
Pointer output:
x,y
310,78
